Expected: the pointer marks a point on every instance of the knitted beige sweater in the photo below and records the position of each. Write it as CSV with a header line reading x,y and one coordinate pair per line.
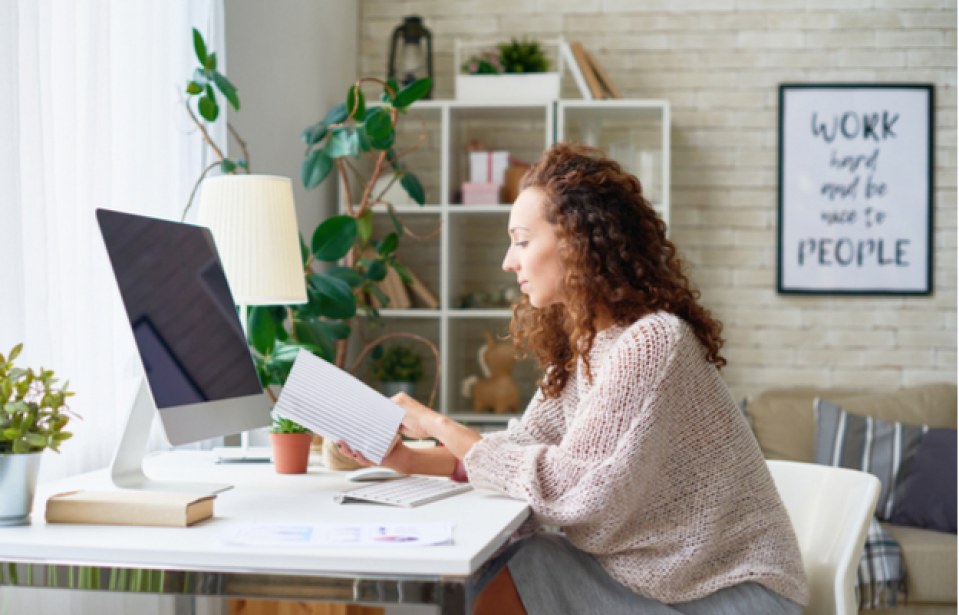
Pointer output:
x,y
651,468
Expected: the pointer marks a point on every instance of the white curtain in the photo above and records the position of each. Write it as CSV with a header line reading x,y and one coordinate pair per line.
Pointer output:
x,y
91,115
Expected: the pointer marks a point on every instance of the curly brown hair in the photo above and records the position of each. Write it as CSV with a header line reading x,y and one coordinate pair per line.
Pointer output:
x,y
616,260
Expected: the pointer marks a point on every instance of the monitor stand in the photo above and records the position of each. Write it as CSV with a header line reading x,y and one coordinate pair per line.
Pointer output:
x,y
126,469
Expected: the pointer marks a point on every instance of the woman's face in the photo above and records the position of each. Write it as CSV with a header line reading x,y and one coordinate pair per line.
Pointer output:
x,y
533,253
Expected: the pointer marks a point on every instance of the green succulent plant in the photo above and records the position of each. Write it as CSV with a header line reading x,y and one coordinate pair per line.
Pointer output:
x,y
397,364
522,56
285,425
33,410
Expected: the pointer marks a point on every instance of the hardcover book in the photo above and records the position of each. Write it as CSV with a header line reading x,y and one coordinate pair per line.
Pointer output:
x,y
128,507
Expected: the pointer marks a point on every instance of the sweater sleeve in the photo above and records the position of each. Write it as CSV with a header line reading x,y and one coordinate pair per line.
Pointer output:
x,y
542,422
600,462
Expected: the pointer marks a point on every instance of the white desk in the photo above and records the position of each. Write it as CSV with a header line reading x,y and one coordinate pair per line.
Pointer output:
x,y
195,561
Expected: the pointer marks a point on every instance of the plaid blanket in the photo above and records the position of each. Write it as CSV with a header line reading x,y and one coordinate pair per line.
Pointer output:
x,y
882,575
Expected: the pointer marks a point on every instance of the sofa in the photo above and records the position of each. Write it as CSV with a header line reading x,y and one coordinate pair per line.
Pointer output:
x,y
785,424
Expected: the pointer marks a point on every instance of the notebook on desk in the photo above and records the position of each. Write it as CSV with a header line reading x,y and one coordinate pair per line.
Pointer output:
x,y
407,492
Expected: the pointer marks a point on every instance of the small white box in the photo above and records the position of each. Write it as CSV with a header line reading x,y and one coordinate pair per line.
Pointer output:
x,y
508,87
488,167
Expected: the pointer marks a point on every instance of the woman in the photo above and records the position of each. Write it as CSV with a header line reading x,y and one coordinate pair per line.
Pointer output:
x,y
633,445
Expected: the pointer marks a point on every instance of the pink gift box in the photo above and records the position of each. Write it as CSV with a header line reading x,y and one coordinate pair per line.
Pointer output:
x,y
480,193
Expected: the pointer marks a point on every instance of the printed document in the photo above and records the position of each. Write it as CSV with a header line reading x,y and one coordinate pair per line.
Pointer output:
x,y
331,402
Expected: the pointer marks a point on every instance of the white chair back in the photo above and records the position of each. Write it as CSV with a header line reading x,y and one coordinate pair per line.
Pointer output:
x,y
830,509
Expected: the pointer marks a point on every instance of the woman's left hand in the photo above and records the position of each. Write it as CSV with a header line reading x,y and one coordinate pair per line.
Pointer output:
x,y
394,459
419,420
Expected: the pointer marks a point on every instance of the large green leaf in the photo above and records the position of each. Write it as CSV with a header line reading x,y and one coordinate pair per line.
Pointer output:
x,y
413,187
304,251
394,86
355,103
281,360
315,168
315,336
322,333
365,226
413,92
314,134
199,46
376,271
404,273
334,330
229,91
332,296
336,115
384,142
207,106
334,237
347,274
388,245
363,143
210,63
262,329
378,124
397,225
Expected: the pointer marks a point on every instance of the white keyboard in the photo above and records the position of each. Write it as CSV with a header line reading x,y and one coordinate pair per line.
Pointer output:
x,y
410,491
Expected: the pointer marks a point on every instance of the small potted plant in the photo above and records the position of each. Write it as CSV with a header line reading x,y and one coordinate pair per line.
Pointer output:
x,y
518,70
33,414
291,445
398,368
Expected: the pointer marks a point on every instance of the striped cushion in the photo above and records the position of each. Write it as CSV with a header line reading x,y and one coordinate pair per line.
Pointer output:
x,y
865,443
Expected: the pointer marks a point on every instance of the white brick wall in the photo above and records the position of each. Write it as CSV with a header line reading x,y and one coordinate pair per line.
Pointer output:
x,y
719,64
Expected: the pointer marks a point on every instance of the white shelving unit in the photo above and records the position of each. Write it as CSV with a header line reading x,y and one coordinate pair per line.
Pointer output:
x,y
463,259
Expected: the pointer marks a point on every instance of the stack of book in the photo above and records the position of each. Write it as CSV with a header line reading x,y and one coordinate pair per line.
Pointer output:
x,y
591,79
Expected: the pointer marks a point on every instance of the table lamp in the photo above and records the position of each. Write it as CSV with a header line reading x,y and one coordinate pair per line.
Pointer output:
x,y
253,221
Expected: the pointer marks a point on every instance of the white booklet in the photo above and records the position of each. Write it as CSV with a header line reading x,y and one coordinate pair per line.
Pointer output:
x,y
331,402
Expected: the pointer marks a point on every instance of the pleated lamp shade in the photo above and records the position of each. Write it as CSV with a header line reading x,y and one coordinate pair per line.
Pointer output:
x,y
253,221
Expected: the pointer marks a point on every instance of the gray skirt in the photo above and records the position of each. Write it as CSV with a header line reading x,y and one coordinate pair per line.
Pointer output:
x,y
554,577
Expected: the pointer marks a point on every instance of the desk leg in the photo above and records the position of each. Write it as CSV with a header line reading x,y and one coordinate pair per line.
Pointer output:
x,y
455,599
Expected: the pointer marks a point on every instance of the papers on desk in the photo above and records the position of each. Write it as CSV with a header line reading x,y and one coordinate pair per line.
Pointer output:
x,y
340,535
334,404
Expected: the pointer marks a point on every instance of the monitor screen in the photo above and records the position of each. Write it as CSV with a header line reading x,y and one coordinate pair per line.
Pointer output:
x,y
184,323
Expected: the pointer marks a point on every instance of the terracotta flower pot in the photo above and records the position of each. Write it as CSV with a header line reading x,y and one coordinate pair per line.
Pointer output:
x,y
291,452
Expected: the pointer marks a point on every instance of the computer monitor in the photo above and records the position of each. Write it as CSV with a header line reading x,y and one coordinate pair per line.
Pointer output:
x,y
200,375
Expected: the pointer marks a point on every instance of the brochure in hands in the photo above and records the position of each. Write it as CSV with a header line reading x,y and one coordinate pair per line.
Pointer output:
x,y
331,402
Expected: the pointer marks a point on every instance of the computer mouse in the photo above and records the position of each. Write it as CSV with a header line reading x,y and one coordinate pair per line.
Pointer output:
x,y
373,474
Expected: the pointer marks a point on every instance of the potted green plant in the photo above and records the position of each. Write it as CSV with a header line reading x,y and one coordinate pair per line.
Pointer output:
x,y
516,70
343,262
33,415
398,368
290,442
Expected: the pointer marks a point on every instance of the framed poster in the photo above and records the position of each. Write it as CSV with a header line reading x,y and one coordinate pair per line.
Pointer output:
x,y
855,189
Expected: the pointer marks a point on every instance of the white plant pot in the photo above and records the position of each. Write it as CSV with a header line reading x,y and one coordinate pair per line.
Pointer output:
x,y
18,484
510,87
